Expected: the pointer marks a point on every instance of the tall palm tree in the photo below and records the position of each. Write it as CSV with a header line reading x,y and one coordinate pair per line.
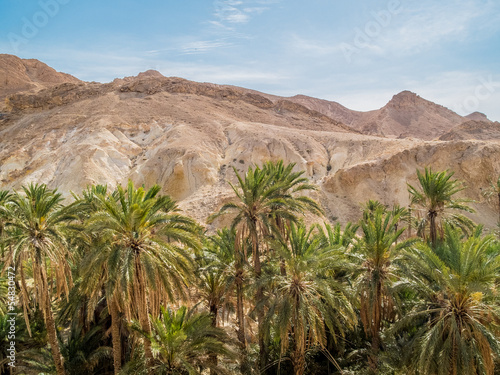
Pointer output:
x,y
36,240
220,270
457,315
379,279
435,196
183,340
143,256
265,196
308,300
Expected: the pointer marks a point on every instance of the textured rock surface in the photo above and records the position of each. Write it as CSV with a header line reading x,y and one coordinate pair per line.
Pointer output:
x,y
474,129
188,136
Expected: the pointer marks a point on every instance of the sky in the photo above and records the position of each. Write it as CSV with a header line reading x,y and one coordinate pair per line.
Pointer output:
x,y
357,53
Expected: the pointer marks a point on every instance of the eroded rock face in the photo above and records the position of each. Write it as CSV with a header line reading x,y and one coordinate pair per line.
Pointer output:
x,y
190,137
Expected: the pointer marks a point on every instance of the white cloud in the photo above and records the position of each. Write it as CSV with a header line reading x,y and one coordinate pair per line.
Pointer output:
x,y
235,12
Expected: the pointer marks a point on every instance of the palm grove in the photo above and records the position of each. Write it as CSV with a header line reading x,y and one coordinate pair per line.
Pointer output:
x,y
120,282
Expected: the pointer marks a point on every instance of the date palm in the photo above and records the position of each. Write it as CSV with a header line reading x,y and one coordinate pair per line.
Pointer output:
x,y
379,279
308,300
83,351
142,256
182,342
458,310
265,196
220,272
436,196
335,236
36,240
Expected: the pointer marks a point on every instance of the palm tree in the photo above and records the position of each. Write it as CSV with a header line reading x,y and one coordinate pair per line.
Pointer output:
x,y
142,256
36,240
83,352
265,197
308,300
335,236
220,271
182,342
435,196
458,315
379,280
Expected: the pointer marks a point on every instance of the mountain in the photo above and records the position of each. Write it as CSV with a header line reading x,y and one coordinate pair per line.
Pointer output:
x,y
406,115
188,137
27,74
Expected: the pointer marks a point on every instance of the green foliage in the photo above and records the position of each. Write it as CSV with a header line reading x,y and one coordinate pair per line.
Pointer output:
x,y
269,294
182,341
435,197
307,300
457,316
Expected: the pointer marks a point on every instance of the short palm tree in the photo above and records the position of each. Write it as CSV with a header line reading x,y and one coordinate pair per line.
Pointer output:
x,y
379,279
142,256
36,241
336,236
83,352
308,301
436,196
182,342
458,314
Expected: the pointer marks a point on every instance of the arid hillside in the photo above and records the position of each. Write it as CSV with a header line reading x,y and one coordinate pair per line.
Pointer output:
x,y
187,136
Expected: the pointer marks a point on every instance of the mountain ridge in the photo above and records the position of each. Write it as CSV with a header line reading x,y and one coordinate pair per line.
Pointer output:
x,y
188,136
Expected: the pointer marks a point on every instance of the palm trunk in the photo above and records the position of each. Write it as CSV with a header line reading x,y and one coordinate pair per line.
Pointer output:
x,y
432,224
375,331
144,314
51,327
212,358
241,319
298,356
115,333
263,352
239,309
298,361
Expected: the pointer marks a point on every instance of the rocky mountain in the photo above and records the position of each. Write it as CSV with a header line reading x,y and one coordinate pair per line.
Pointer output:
x,y
405,115
27,74
188,136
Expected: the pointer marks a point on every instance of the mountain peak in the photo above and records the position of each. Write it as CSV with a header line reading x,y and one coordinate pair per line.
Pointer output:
x,y
404,98
19,74
478,116
150,74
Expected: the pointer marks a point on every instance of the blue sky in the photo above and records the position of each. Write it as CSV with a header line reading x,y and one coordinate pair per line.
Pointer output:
x,y
358,53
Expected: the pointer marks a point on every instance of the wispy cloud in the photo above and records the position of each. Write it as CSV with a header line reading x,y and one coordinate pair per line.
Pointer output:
x,y
192,47
229,13
427,25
